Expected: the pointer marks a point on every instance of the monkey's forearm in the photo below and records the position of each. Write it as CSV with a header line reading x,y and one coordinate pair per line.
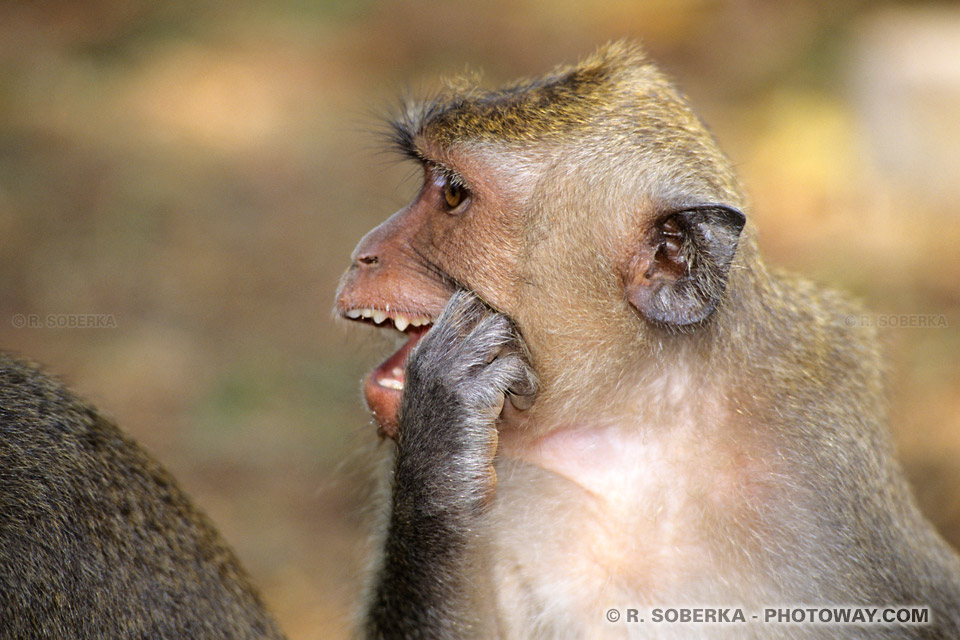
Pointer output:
x,y
428,584
426,587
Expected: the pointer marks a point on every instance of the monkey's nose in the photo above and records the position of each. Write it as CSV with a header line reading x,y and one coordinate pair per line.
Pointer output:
x,y
380,243
367,260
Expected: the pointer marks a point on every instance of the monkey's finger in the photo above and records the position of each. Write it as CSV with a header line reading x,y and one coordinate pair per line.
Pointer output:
x,y
523,391
521,402
462,312
498,405
490,338
498,376
457,320
526,383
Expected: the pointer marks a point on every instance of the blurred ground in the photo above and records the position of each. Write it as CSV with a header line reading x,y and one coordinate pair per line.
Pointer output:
x,y
194,175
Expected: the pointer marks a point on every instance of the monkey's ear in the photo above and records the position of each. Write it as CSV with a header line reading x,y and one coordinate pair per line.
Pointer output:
x,y
680,273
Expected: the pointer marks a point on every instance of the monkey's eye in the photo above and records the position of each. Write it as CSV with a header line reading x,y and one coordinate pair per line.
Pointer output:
x,y
453,195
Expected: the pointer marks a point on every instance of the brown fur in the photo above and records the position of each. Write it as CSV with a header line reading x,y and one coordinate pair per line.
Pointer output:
x,y
734,454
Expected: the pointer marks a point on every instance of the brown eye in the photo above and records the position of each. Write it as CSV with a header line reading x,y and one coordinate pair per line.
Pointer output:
x,y
452,195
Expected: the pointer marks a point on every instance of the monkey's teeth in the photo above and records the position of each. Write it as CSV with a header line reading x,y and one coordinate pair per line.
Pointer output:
x,y
401,322
391,383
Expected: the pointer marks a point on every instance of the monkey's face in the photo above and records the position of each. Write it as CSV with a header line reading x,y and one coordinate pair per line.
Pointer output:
x,y
589,205
589,294
458,233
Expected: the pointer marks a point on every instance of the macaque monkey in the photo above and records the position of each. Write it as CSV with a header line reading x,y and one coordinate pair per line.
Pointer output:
x,y
97,541
605,404
605,401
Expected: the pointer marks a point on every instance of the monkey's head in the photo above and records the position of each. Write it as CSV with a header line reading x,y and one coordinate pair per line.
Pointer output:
x,y
590,205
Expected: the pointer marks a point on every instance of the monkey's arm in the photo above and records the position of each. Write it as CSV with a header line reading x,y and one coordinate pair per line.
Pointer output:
x,y
429,585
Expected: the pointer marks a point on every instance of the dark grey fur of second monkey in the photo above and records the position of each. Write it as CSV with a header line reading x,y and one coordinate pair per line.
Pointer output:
x,y
97,540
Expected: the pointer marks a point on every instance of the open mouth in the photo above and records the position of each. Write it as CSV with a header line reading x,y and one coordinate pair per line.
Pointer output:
x,y
384,386
389,374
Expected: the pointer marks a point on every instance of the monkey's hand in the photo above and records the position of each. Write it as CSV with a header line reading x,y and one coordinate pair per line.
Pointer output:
x,y
456,382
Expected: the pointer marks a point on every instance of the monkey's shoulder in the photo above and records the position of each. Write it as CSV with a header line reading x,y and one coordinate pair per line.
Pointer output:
x,y
47,432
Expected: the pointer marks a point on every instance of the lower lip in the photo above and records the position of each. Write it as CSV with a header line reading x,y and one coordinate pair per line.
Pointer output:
x,y
384,404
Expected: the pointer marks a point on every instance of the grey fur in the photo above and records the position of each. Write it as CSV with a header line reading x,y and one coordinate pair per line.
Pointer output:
x,y
97,541
443,481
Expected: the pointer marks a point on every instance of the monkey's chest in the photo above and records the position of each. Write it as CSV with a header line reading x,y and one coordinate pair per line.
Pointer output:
x,y
562,553
606,523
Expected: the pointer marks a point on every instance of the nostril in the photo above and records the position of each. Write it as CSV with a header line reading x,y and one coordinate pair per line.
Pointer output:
x,y
368,260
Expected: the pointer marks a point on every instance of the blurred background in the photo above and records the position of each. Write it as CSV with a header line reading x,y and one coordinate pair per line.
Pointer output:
x,y
181,184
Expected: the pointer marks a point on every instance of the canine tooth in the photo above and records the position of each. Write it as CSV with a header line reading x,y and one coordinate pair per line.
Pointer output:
x,y
353,313
401,323
379,316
